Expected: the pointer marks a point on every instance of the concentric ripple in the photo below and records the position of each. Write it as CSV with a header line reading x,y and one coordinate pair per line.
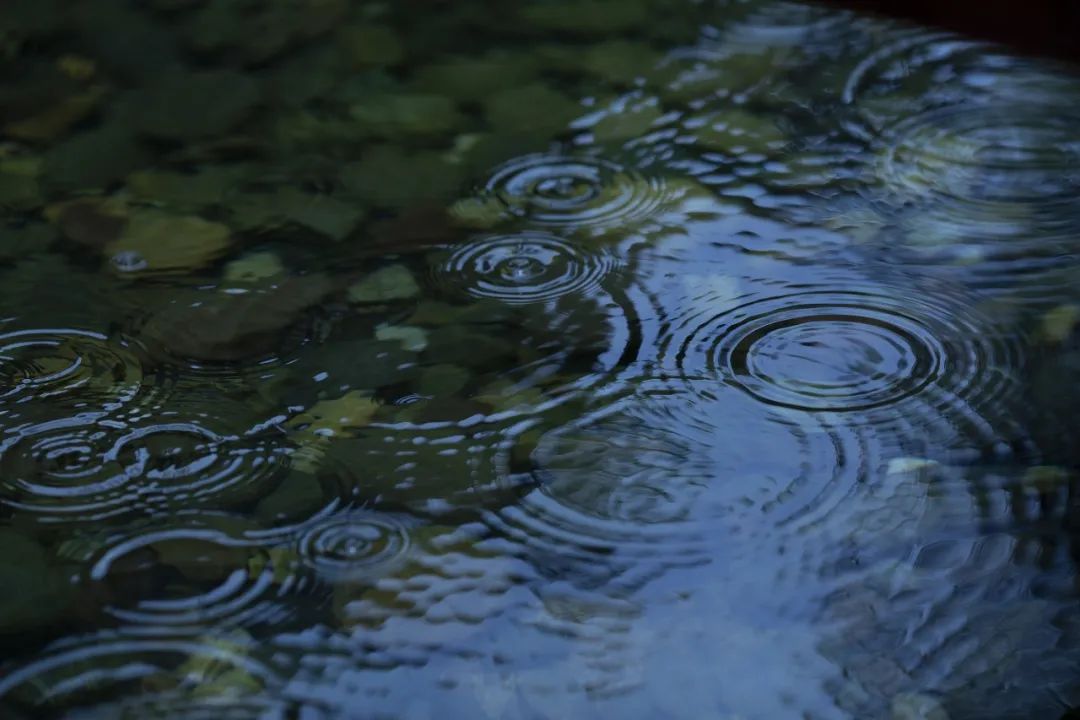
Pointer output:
x,y
819,348
834,355
223,580
958,611
986,144
1005,171
678,477
524,268
45,364
786,23
576,192
87,467
923,71
631,471
354,546
614,500
73,677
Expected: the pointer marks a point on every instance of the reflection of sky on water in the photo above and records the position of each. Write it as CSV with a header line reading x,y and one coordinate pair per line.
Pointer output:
x,y
745,394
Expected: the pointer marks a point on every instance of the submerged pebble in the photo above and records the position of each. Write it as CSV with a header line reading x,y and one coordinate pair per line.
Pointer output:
x,y
254,267
390,283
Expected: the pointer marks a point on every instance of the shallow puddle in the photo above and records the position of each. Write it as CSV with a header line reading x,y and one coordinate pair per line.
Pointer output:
x,y
548,359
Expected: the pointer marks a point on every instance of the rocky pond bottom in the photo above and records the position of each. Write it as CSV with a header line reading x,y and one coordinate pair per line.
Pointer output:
x,y
618,358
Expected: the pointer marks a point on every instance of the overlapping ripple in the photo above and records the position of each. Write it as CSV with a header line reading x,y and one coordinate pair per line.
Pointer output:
x,y
975,149
785,23
631,519
45,364
919,71
679,478
576,192
88,467
774,473
224,579
86,676
978,178
856,347
524,267
960,614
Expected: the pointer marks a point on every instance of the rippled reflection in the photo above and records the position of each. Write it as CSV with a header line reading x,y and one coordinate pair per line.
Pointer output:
x,y
983,162
618,358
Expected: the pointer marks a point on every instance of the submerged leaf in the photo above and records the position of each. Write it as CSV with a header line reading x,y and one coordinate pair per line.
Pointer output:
x,y
587,17
1046,478
619,61
254,267
479,213
736,132
628,120
442,380
417,115
411,338
329,418
207,187
1058,324
328,216
394,282
473,79
18,192
166,242
535,109
298,495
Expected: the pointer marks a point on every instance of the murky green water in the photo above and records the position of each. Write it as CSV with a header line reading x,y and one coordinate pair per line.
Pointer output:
x,y
618,358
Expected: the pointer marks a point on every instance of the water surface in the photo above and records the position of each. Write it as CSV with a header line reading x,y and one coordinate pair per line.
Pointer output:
x,y
548,359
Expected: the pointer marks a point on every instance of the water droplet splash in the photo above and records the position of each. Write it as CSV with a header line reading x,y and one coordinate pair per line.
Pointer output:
x,y
354,546
526,267
570,192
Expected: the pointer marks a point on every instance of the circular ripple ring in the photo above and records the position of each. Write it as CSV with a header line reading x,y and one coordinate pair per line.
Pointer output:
x,y
561,191
354,545
524,268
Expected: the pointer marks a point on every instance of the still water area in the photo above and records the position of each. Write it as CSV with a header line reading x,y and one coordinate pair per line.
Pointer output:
x,y
547,359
